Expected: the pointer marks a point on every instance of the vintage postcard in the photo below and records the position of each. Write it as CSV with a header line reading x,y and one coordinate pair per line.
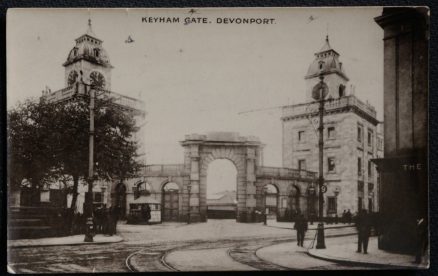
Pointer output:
x,y
217,139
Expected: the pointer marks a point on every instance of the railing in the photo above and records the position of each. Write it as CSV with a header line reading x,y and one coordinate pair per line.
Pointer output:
x,y
118,99
312,107
172,169
284,172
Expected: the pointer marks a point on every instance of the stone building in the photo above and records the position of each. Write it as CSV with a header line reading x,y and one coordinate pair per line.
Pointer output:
x,y
351,138
404,168
182,188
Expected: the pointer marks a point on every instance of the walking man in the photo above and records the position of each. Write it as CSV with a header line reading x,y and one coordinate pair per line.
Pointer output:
x,y
301,227
363,226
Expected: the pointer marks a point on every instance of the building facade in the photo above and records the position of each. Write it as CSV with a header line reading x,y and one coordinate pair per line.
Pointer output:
x,y
182,188
351,138
404,168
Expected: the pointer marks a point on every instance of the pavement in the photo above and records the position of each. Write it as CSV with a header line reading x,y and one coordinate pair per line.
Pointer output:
x,y
211,230
218,245
69,240
314,226
343,250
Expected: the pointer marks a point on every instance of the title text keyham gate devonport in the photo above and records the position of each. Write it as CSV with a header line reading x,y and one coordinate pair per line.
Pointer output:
x,y
206,20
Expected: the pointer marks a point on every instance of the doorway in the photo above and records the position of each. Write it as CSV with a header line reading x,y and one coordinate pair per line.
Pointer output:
x,y
170,202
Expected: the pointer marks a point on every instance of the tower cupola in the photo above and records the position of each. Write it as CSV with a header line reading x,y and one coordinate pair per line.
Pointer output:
x,y
88,61
327,64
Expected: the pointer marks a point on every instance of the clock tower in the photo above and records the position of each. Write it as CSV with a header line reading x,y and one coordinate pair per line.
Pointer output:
x,y
327,63
88,61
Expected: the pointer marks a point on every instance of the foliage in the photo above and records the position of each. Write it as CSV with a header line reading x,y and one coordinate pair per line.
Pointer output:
x,y
30,153
48,141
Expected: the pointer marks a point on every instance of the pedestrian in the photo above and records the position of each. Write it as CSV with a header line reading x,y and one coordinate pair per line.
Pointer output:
x,y
421,239
301,227
349,216
147,213
363,226
344,216
110,221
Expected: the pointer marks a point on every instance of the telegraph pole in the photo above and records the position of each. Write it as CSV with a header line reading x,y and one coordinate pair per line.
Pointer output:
x,y
323,90
89,198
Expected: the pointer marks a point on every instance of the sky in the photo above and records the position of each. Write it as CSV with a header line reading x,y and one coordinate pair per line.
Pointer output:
x,y
197,78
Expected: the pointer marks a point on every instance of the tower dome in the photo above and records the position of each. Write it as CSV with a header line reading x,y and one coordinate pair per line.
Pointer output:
x,y
88,47
326,62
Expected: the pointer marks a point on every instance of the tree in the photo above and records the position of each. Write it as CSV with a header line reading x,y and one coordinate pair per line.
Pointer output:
x,y
115,150
30,154
48,141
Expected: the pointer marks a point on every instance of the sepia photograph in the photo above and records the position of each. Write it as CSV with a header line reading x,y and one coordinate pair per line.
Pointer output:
x,y
217,139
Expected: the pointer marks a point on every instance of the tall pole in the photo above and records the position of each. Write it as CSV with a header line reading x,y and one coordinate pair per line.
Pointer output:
x,y
265,218
321,155
320,242
189,188
89,198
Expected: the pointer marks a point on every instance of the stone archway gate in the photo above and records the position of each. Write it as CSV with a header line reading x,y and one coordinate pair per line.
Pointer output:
x,y
246,153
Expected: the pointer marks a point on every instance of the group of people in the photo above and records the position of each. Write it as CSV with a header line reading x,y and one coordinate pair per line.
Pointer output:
x,y
363,225
105,220
71,222
347,216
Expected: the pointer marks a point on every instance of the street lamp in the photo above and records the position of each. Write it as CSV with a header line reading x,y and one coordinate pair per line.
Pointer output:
x,y
319,93
189,188
89,199
265,191
312,202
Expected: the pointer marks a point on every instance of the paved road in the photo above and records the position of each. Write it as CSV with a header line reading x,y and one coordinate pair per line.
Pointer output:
x,y
246,251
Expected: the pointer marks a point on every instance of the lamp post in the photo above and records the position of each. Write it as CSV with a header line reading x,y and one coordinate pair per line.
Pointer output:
x,y
189,188
319,93
89,199
312,202
265,218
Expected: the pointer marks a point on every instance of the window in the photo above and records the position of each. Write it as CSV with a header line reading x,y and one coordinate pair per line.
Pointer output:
x,y
370,138
301,134
331,132
302,164
331,164
370,205
97,197
321,64
370,187
370,168
359,203
379,144
96,52
359,166
359,133
341,89
360,186
331,204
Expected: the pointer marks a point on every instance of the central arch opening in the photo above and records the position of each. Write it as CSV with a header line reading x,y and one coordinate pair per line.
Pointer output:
x,y
221,189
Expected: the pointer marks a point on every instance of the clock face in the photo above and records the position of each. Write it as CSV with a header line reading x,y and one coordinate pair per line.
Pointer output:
x,y
97,79
72,77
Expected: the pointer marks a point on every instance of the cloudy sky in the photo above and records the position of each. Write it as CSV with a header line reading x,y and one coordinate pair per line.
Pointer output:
x,y
196,78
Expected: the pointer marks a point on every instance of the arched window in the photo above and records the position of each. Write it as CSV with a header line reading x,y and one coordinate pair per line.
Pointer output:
x,y
341,91
271,200
171,186
96,52
321,65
